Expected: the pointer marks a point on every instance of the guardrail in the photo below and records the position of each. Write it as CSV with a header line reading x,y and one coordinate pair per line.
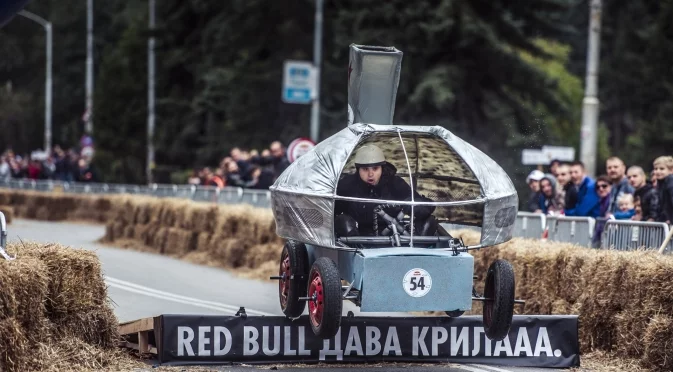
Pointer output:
x,y
530,225
577,230
212,194
631,235
617,234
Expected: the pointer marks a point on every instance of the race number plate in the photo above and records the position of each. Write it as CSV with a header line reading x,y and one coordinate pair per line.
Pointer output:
x,y
417,282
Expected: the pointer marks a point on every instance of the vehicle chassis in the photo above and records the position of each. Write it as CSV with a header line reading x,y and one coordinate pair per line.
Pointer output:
x,y
376,280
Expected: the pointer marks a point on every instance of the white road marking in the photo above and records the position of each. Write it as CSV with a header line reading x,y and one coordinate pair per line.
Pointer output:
x,y
496,369
472,369
136,288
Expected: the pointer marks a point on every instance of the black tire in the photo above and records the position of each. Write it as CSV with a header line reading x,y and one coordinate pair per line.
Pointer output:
x,y
325,310
499,310
454,313
294,264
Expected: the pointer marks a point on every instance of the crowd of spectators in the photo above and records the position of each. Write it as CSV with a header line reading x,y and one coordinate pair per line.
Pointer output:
x,y
246,169
68,165
623,193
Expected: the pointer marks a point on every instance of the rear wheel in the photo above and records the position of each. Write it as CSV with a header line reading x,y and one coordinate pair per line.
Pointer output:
x,y
294,276
454,313
326,303
498,307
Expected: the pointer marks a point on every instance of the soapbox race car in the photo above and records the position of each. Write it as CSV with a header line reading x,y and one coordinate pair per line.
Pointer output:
x,y
403,264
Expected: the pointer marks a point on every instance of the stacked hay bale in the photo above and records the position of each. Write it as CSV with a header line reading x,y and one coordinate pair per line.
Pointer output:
x,y
53,298
624,299
231,236
57,206
8,212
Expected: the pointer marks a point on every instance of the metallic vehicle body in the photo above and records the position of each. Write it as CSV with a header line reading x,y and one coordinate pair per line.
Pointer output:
x,y
384,273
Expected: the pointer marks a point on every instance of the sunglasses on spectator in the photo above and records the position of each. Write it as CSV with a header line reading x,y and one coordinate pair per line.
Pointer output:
x,y
603,186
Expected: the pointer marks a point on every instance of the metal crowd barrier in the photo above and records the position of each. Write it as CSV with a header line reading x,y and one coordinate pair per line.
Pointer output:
x,y
211,194
529,225
577,230
617,234
627,235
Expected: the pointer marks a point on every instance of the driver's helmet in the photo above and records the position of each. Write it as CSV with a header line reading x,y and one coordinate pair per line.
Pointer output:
x,y
369,156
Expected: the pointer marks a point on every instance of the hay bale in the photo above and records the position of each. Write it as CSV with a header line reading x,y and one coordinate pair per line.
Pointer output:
x,y
227,252
128,231
50,292
259,254
8,212
658,343
5,197
15,350
203,241
24,290
179,242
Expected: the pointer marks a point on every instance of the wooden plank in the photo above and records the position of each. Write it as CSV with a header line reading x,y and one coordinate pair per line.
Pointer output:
x,y
143,341
130,345
145,324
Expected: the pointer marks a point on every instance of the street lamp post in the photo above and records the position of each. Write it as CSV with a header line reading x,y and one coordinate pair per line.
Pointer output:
x,y
47,93
317,56
150,95
89,67
590,104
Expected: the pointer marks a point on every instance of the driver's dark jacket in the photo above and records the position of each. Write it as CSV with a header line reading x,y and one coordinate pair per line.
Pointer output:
x,y
390,187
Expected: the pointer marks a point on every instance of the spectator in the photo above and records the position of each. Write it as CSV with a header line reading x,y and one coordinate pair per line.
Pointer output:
x,y
275,157
280,161
602,189
627,207
554,166
34,169
239,157
645,193
235,178
533,181
194,178
620,184
663,171
588,204
550,202
86,172
570,188
213,179
639,211
5,173
562,181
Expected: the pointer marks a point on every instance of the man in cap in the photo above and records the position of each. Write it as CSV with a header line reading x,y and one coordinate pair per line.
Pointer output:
x,y
533,181
376,179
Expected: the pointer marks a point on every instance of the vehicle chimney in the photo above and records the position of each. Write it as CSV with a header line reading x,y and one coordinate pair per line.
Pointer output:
x,y
373,78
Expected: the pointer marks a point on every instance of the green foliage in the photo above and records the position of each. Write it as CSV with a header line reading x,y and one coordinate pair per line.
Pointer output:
x,y
503,75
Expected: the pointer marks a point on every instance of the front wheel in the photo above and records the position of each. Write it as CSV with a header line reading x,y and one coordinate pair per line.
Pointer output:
x,y
498,307
293,272
325,303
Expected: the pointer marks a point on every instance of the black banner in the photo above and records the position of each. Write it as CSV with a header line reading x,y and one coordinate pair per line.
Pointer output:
x,y
534,341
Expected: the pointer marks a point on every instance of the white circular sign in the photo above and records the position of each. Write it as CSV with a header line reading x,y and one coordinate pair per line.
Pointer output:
x,y
417,282
299,147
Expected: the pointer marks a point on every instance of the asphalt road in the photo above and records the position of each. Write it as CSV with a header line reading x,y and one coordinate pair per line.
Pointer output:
x,y
146,285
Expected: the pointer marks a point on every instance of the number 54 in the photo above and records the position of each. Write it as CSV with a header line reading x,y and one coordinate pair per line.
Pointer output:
x,y
420,284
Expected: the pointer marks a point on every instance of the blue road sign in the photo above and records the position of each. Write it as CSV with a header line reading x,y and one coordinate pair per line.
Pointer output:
x,y
298,82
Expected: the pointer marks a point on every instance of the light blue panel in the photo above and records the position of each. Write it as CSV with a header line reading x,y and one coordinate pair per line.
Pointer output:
x,y
384,270
297,95
349,263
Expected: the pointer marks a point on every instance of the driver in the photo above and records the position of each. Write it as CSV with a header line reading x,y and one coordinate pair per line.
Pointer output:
x,y
376,179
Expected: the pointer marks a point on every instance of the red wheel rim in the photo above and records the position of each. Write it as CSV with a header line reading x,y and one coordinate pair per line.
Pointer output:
x,y
284,283
488,303
315,306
